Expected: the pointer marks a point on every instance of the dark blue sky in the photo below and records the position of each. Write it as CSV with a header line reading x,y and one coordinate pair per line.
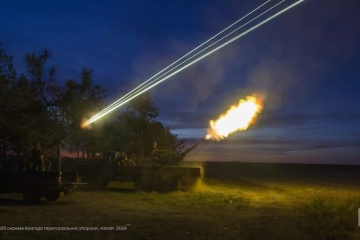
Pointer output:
x,y
307,61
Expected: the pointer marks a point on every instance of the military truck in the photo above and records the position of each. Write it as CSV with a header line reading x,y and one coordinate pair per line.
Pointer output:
x,y
152,178
115,166
16,177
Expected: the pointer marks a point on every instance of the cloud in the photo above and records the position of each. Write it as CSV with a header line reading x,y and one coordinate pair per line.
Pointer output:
x,y
277,150
191,120
297,118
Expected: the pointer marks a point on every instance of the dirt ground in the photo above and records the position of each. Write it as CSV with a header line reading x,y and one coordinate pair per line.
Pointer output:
x,y
220,207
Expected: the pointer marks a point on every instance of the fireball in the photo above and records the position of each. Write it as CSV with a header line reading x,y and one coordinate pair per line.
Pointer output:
x,y
237,118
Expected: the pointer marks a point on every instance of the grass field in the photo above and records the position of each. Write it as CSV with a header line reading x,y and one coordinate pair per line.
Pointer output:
x,y
234,201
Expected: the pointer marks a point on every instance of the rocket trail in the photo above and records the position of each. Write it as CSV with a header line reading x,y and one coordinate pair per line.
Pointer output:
x,y
146,83
119,103
141,89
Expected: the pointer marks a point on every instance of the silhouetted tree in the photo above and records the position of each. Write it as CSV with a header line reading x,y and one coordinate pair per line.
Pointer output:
x,y
136,129
35,108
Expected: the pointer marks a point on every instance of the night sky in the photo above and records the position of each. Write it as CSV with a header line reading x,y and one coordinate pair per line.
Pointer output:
x,y
306,61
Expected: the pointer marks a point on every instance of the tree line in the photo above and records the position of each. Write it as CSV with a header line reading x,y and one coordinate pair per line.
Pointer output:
x,y
38,108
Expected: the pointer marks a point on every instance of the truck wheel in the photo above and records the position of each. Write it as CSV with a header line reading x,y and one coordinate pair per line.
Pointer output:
x,y
166,185
101,181
187,183
104,182
172,185
52,196
139,185
31,194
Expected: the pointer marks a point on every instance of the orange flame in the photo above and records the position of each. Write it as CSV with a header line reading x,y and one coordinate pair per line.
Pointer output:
x,y
238,117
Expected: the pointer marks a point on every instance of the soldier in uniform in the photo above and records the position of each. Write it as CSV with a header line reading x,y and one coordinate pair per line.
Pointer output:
x,y
47,163
37,158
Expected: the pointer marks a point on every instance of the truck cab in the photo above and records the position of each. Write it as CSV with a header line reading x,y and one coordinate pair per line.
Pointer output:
x,y
16,177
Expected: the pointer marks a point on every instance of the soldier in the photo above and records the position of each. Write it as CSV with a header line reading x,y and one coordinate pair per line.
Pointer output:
x,y
155,154
158,156
47,164
37,159
123,160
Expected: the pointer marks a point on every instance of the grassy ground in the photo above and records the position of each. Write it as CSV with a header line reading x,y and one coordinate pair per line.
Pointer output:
x,y
235,201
